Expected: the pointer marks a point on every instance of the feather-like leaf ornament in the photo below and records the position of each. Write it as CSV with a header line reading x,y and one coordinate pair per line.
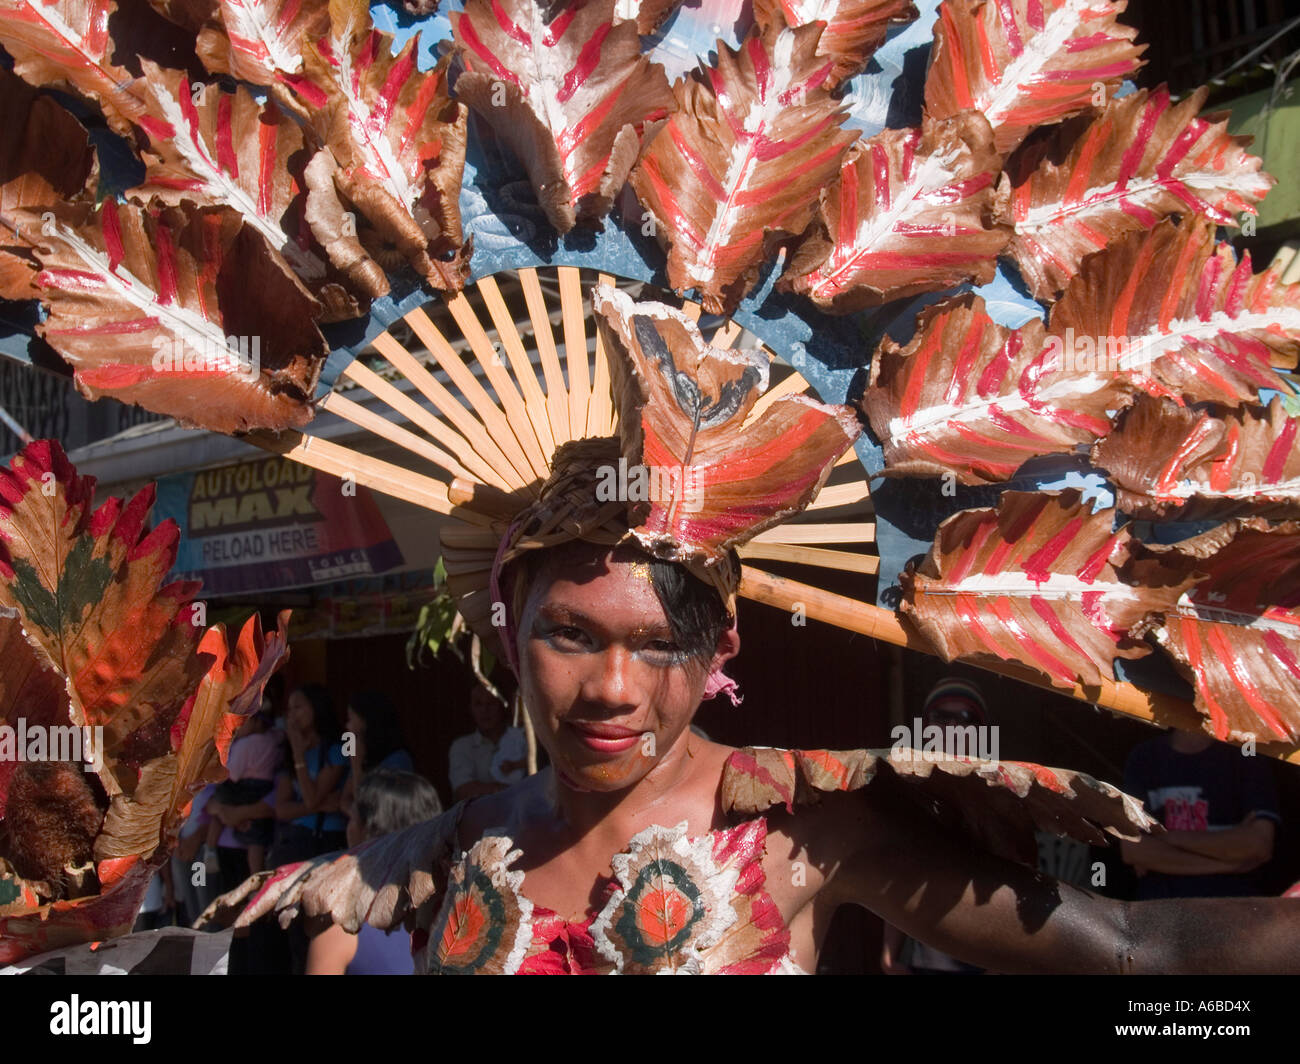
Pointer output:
x,y
1189,463
1199,326
574,98
45,159
1236,633
398,137
970,397
681,407
66,42
1037,580
854,28
262,41
739,166
185,311
1137,161
648,15
912,212
1027,63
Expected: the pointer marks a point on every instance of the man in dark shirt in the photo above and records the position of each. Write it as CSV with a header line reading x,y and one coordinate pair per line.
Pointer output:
x,y
1219,810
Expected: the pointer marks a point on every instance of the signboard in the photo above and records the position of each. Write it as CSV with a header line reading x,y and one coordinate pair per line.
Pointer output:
x,y
270,524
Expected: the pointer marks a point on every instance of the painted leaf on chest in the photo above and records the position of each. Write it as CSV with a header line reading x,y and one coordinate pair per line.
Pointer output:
x,y
572,96
973,398
184,311
683,408
912,212
854,28
66,42
1027,63
1038,580
1236,633
1174,313
399,141
261,41
738,168
1136,162
1190,463
45,159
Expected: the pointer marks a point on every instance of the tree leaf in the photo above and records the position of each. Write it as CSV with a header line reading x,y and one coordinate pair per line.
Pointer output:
x,y
1136,162
739,166
574,99
206,322
1185,463
974,399
912,212
66,42
1036,581
397,136
261,41
681,407
45,158
1202,326
1236,633
854,28
1026,63
215,148
648,15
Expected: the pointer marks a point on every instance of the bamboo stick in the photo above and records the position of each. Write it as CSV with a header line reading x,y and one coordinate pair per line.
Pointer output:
x,y
574,319
534,399
557,398
844,561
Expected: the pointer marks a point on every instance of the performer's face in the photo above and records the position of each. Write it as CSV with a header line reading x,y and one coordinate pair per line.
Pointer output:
x,y
608,689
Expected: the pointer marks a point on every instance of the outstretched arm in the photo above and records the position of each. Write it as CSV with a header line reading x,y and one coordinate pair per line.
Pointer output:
x,y
937,887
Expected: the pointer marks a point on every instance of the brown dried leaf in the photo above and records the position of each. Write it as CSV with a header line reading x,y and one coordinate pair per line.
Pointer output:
x,y
854,28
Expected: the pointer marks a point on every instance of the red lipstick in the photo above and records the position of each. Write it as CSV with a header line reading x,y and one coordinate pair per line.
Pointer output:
x,y
604,737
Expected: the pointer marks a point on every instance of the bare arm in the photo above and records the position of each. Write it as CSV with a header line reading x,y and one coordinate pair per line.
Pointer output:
x,y
937,887
1152,853
316,791
1249,844
331,952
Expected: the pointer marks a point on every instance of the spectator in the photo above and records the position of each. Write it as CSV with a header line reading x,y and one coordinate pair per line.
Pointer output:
x,y
377,739
191,897
1219,810
472,755
241,838
387,801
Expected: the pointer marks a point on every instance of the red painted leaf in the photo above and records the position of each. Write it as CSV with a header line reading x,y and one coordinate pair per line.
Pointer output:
x,y
398,138
1184,463
214,148
648,15
854,28
66,42
1136,162
185,311
970,397
262,41
45,159
1036,581
1026,63
1236,634
681,405
573,98
740,165
912,212
1178,315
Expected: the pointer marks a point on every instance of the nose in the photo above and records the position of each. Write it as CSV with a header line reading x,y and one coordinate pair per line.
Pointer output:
x,y
610,681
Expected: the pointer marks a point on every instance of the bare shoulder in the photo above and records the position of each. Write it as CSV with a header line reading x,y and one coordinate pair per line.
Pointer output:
x,y
504,809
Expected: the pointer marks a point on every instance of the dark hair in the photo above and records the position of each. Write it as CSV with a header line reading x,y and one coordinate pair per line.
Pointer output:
x,y
322,713
696,614
383,732
389,801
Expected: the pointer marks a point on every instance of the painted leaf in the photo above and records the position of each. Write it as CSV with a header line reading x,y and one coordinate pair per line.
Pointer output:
x,y
151,816
1138,161
1026,63
212,147
681,406
262,41
912,212
398,138
854,28
648,15
1190,463
66,42
758,941
973,398
191,14
1176,314
45,158
573,98
1236,634
739,166
1037,581
184,311
999,804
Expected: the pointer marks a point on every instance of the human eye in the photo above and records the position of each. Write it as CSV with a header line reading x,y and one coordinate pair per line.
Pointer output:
x,y
663,652
566,636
